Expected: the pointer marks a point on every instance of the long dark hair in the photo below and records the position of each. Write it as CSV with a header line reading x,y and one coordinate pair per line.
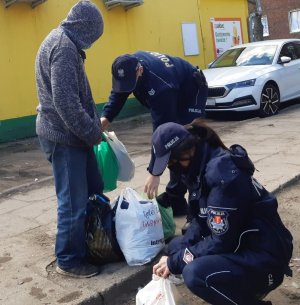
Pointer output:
x,y
204,133
199,132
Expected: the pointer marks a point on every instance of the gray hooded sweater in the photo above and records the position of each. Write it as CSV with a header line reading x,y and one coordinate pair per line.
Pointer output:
x,y
66,112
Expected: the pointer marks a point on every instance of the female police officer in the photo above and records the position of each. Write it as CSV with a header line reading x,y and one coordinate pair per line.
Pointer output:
x,y
237,249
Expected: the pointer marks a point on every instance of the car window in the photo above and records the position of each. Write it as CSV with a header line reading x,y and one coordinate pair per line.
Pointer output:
x,y
297,49
288,50
228,59
249,56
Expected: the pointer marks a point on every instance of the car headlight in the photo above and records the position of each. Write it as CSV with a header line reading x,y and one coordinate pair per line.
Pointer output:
x,y
245,83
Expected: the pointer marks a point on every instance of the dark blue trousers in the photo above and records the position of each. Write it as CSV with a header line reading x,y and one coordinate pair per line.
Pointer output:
x,y
176,188
234,278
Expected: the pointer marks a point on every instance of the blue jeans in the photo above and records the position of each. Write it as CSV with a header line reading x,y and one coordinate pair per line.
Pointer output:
x,y
76,177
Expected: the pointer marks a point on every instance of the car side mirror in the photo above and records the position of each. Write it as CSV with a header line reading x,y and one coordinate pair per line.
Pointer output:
x,y
284,60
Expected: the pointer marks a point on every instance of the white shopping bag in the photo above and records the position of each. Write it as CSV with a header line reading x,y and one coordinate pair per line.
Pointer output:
x,y
138,228
159,291
125,163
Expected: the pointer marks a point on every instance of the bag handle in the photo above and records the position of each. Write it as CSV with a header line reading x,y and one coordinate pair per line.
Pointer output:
x,y
123,196
111,136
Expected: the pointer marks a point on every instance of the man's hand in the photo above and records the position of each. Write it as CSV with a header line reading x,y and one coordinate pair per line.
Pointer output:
x,y
104,123
161,268
151,186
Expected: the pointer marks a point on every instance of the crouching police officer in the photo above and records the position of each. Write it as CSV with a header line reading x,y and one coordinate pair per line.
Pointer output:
x,y
173,90
237,249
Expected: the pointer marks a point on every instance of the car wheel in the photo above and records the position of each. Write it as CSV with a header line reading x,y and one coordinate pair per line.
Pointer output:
x,y
269,101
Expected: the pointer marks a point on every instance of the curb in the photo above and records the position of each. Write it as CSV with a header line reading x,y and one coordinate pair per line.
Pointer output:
x,y
287,184
120,293
25,186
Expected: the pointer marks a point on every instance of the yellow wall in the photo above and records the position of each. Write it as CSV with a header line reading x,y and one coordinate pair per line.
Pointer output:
x,y
220,9
155,25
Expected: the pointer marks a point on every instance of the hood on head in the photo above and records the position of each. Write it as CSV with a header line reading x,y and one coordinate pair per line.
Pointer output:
x,y
240,158
84,24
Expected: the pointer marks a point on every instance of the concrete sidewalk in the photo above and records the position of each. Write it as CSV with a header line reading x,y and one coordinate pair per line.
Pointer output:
x,y
28,217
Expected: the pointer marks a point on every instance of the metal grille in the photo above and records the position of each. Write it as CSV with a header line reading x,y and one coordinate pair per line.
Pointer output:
x,y
217,91
125,3
33,3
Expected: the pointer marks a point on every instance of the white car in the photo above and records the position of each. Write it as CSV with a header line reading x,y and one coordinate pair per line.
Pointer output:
x,y
256,76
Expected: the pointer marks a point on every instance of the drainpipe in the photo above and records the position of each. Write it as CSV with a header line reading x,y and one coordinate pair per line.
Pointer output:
x,y
255,25
258,7
251,25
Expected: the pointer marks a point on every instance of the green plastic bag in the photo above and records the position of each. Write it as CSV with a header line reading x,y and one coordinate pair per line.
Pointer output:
x,y
168,223
107,165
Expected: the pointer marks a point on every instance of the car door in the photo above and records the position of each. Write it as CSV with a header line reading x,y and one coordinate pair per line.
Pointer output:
x,y
289,74
297,63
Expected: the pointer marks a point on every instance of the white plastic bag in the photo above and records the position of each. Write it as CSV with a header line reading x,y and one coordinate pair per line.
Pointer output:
x,y
159,291
138,228
125,163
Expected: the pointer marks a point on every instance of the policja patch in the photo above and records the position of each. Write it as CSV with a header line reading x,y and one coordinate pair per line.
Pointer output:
x,y
188,256
217,221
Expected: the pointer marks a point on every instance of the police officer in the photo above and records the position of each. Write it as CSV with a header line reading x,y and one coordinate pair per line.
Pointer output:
x,y
236,249
173,90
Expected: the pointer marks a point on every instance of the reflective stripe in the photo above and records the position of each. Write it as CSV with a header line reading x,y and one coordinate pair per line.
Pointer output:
x,y
223,295
225,271
253,230
222,208
161,79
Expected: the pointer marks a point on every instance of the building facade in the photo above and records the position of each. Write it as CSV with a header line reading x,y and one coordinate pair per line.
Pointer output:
x,y
281,18
189,29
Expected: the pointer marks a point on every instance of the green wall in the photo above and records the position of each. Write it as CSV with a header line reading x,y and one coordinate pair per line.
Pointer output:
x,y
24,127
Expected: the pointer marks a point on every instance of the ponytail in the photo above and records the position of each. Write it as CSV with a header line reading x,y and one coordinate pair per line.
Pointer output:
x,y
204,133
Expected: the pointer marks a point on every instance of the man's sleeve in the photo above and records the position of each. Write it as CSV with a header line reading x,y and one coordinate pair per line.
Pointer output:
x,y
114,105
65,91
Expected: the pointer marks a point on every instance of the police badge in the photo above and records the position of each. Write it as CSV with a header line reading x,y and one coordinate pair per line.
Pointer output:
x,y
217,221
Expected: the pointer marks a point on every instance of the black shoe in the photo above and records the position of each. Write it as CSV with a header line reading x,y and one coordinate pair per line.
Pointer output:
x,y
84,270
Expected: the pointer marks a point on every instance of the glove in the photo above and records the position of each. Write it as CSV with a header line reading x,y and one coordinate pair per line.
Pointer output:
x,y
200,78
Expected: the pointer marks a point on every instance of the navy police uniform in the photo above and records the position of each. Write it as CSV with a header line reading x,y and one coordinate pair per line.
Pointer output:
x,y
168,87
236,249
173,90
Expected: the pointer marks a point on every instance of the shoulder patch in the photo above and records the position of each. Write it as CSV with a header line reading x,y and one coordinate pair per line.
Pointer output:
x,y
217,221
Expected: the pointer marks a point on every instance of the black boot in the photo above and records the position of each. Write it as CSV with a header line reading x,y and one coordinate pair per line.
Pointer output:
x,y
163,200
178,204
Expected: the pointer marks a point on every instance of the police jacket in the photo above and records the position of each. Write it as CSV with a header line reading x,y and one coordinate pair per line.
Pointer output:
x,y
165,87
232,212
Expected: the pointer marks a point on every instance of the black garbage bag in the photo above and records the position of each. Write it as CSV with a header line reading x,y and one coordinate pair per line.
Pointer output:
x,y
102,245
